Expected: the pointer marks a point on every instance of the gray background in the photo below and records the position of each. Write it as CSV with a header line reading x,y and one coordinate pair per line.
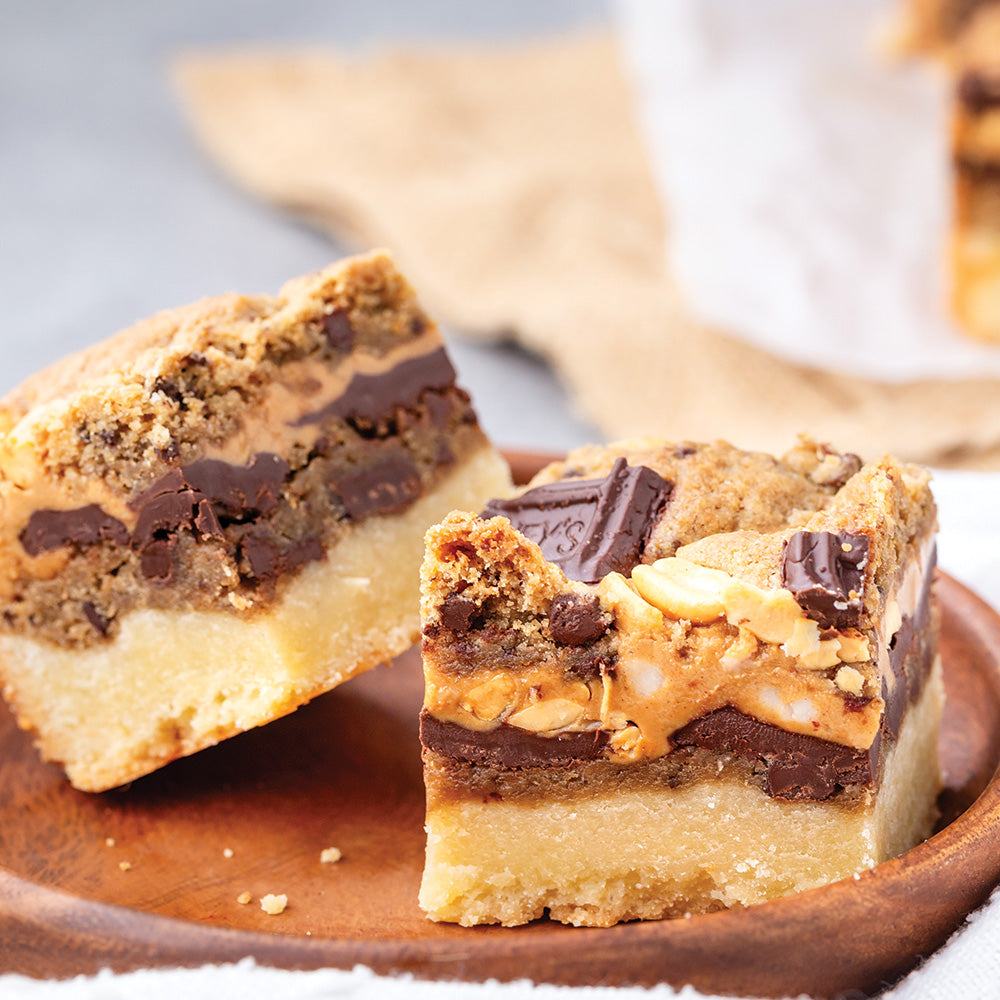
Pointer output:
x,y
110,211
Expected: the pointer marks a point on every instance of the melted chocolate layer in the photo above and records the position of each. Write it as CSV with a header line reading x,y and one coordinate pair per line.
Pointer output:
x,y
508,746
798,766
376,397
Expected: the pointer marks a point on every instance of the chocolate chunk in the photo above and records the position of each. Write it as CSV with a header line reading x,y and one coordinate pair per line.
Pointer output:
x,y
309,549
590,527
575,620
239,491
338,330
156,559
261,554
978,93
200,497
52,529
507,746
798,766
372,398
386,487
825,573
99,622
458,613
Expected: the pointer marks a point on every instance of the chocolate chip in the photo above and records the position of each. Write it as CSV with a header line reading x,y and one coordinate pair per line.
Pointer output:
x,y
338,330
575,620
52,529
590,527
823,569
458,613
96,619
156,560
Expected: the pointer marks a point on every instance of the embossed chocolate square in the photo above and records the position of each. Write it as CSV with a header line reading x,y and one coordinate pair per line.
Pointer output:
x,y
669,678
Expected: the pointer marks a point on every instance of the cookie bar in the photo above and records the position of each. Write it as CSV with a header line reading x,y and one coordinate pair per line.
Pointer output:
x,y
975,241
668,679
219,514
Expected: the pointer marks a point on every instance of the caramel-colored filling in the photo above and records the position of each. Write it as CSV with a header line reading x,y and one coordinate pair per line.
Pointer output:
x,y
668,672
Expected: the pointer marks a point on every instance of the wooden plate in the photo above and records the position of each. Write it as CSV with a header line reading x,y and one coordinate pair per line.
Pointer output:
x,y
345,771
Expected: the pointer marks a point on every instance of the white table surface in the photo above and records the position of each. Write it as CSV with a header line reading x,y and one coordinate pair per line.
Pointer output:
x,y
110,212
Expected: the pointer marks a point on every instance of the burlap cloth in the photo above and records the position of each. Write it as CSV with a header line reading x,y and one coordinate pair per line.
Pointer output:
x,y
512,185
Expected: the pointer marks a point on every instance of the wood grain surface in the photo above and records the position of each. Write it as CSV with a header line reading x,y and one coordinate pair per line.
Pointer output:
x,y
142,876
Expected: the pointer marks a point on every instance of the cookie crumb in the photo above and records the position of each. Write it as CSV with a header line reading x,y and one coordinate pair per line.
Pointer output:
x,y
227,852
329,855
244,898
109,841
124,865
274,904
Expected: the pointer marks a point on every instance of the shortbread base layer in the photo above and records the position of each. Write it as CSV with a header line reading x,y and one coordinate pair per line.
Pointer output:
x,y
174,681
662,852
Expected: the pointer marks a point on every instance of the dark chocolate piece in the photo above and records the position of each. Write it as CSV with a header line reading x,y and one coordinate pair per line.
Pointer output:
x,y
590,527
376,397
825,573
386,487
262,555
338,330
99,622
199,497
978,92
458,613
575,620
52,529
798,766
507,746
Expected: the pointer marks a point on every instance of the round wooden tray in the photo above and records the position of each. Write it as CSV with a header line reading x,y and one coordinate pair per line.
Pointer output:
x,y
344,771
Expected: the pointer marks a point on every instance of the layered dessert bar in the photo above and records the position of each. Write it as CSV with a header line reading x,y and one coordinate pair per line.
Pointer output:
x,y
964,36
219,514
667,679
975,241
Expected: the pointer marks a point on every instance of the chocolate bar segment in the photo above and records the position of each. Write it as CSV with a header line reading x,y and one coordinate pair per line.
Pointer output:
x,y
825,572
591,527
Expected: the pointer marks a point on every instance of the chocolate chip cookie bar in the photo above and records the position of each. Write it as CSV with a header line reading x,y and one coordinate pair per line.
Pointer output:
x,y
219,514
667,679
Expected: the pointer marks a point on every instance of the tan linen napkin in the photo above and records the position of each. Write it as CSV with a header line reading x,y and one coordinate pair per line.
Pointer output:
x,y
512,186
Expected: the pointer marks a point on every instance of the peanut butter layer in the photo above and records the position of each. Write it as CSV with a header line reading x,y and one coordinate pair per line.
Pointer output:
x,y
203,457
792,627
